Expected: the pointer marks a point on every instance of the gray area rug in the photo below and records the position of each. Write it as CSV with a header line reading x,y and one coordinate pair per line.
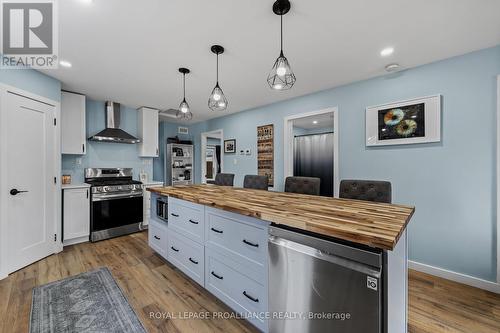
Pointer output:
x,y
88,302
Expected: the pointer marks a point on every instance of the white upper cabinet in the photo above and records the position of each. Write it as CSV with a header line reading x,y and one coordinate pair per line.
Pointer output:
x,y
148,132
73,140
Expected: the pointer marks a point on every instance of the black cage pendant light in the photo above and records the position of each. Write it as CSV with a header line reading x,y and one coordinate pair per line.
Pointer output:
x,y
281,76
217,101
184,112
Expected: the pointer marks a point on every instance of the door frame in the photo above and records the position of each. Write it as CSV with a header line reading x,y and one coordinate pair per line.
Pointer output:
x,y
204,137
55,172
498,180
288,144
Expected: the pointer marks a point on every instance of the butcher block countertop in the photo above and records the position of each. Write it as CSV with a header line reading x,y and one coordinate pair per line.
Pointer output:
x,y
374,224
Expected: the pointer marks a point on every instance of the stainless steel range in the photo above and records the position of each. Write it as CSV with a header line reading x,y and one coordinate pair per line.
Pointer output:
x,y
116,202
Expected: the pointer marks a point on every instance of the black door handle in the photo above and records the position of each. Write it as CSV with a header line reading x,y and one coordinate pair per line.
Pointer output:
x,y
250,243
193,222
15,191
217,231
156,237
256,300
217,276
173,248
193,261
174,215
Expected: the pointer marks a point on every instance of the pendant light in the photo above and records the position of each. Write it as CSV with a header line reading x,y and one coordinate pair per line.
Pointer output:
x,y
281,76
184,112
217,101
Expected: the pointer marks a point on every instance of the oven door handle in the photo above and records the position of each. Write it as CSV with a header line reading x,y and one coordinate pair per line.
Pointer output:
x,y
100,197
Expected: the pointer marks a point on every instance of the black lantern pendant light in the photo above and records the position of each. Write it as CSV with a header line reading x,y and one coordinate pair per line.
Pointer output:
x,y
184,112
281,76
217,101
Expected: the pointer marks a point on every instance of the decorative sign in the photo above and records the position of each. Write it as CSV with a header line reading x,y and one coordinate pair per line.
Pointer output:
x,y
265,152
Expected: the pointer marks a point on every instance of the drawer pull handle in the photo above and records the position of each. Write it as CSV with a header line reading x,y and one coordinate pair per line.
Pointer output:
x,y
256,300
250,243
173,248
194,222
193,261
156,237
217,276
174,215
217,231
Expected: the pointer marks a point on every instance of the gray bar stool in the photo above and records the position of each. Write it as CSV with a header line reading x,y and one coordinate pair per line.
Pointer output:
x,y
303,185
368,190
256,182
224,179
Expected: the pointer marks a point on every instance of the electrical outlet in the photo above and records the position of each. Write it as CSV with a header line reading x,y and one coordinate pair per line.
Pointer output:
x,y
78,161
235,161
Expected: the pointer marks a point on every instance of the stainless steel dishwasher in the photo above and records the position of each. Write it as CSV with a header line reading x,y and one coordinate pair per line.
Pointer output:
x,y
315,284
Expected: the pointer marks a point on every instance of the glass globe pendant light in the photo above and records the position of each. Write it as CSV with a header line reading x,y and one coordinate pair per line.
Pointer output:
x,y
217,101
184,112
281,76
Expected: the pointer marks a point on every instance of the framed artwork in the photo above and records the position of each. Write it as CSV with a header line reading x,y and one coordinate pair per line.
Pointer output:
x,y
230,146
265,152
406,122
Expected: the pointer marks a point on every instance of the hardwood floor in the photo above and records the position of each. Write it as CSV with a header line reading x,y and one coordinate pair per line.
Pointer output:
x,y
154,286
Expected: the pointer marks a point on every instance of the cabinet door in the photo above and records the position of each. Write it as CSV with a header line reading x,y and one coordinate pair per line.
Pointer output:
x,y
148,132
76,213
73,130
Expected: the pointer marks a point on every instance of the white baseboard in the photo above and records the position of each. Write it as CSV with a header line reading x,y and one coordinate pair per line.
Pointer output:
x,y
454,276
75,241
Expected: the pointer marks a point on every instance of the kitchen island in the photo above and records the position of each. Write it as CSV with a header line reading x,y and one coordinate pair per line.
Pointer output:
x,y
229,241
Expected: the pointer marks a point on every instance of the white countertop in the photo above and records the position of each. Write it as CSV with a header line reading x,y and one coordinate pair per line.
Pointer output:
x,y
79,185
152,183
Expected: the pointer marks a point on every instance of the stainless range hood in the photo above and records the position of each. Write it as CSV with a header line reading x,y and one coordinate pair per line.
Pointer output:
x,y
112,132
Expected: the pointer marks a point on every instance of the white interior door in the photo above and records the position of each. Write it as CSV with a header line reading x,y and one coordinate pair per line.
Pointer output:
x,y
27,199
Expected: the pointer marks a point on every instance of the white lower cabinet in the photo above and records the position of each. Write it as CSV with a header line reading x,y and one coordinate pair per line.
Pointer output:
x,y
76,215
224,252
187,255
157,236
224,279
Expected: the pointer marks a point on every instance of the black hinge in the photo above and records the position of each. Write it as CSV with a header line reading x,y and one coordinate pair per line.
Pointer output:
x,y
55,121
55,180
55,237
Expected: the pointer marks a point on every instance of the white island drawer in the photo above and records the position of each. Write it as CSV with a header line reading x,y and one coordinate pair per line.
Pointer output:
x,y
240,237
187,219
186,255
238,291
157,237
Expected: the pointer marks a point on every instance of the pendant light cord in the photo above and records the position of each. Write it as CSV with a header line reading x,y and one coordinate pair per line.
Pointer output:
x,y
184,84
281,22
217,69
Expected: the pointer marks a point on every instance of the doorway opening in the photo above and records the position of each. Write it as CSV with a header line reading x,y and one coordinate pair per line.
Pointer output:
x,y
311,148
212,155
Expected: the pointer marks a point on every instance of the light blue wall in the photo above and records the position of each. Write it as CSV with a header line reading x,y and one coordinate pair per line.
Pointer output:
x,y
32,81
167,130
104,154
451,183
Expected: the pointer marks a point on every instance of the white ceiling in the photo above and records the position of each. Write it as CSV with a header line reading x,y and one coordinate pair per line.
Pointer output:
x,y
129,51
324,120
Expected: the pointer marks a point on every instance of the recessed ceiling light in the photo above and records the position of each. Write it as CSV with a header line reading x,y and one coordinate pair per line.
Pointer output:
x,y
65,63
387,51
87,1
315,122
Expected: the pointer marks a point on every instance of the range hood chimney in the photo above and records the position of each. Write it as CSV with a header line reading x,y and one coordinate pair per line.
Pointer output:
x,y
112,132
